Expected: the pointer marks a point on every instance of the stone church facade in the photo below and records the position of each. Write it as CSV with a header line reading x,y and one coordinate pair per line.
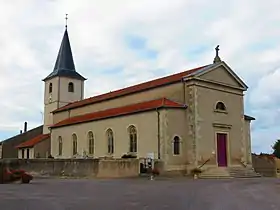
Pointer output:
x,y
185,119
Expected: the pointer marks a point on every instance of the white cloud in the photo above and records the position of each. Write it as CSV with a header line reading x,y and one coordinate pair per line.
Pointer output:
x,y
31,34
267,90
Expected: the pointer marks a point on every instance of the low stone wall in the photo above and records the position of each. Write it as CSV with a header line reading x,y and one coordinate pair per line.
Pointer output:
x,y
264,165
111,168
118,168
1,173
170,171
277,162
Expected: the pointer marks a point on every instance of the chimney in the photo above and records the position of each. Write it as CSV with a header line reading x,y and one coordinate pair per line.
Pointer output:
x,y
25,127
20,131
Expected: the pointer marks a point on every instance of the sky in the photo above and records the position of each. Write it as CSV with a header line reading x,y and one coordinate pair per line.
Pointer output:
x,y
120,43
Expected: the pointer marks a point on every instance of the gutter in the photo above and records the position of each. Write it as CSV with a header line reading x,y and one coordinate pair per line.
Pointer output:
x,y
158,132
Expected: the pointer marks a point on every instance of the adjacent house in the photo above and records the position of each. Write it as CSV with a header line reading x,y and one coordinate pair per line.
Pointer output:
x,y
37,147
9,149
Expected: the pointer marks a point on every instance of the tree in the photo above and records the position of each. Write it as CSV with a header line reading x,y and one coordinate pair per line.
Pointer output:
x,y
276,148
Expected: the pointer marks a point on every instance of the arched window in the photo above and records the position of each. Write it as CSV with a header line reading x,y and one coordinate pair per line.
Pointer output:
x,y
59,145
110,139
71,87
176,145
50,88
132,139
90,143
75,144
220,106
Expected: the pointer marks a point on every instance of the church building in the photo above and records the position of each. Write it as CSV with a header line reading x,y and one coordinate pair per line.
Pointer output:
x,y
186,119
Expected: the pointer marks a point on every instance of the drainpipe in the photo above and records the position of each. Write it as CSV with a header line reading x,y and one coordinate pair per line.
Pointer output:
x,y
158,132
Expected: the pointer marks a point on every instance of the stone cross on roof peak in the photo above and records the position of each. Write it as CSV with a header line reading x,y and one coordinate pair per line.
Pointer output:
x,y
217,59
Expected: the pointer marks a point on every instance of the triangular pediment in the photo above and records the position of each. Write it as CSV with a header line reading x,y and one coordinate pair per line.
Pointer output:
x,y
221,73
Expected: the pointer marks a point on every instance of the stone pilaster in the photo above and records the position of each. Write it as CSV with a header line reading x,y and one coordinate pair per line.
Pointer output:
x,y
192,152
164,136
243,144
196,125
249,152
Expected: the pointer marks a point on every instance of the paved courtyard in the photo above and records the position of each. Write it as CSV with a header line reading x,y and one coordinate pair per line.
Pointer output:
x,y
180,194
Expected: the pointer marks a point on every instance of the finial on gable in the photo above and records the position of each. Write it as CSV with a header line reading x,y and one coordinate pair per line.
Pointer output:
x,y
66,18
217,59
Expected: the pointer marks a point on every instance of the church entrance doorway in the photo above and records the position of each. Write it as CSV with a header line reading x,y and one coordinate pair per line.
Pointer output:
x,y
222,149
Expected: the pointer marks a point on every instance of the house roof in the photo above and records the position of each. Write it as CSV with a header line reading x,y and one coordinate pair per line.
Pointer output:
x,y
32,142
64,65
132,89
119,111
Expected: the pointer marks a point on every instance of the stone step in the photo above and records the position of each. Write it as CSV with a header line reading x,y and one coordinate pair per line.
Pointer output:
x,y
241,172
214,177
228,172
243,177
215,173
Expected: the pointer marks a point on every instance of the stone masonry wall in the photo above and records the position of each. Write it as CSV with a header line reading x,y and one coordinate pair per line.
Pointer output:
x,y
77,167
266,166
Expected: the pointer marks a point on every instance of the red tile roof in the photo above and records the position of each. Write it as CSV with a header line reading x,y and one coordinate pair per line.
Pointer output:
x,y
34,141
129,90
124,110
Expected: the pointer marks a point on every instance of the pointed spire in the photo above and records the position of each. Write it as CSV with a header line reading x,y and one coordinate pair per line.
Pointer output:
x,y
217,59
64,65
64,60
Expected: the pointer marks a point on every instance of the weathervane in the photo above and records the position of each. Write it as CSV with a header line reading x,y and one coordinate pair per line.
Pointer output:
x,y
66,18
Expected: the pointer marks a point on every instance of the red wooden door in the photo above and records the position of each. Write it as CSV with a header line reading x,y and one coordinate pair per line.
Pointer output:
x,y
222,149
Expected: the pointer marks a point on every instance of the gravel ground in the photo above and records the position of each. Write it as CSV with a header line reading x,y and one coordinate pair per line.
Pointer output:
x,y
122,194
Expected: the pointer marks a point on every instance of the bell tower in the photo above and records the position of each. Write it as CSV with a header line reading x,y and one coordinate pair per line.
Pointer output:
x,y
64,84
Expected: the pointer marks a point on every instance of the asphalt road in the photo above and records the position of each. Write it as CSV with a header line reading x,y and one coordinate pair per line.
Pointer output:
x,y
173,194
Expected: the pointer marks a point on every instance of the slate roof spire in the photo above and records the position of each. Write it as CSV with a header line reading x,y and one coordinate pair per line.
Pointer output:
x,y
64,60
64,65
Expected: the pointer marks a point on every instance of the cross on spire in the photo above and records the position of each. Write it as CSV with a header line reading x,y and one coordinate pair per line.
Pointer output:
x,y
66,19
217,59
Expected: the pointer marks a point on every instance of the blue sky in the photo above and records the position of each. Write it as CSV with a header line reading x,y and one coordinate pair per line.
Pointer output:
x,y
120,43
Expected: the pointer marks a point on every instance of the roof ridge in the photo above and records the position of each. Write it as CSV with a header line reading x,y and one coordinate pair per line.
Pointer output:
x,y
24,133
31,142
128,105
131,89
118,111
